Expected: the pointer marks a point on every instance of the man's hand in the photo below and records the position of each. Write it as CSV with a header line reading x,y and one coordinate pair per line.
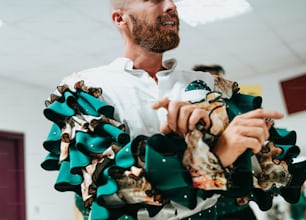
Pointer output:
x,y
246,131
182,116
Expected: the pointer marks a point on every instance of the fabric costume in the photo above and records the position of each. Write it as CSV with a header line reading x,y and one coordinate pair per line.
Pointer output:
x,y
105,143
228,208
297,210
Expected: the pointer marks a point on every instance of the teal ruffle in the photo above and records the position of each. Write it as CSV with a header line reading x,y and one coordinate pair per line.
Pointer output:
x,y
85,143
89,137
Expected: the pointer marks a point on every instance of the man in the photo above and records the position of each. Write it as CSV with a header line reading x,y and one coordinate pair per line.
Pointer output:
x,y
149,94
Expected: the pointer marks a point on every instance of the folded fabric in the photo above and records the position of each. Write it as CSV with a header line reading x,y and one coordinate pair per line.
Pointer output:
x,y
51,162
67,181
117,177
53,141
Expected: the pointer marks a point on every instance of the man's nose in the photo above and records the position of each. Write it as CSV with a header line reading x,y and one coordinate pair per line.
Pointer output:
x,y
169,6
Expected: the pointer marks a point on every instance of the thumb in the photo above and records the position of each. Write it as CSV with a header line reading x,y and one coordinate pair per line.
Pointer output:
x,y
165,129
161,103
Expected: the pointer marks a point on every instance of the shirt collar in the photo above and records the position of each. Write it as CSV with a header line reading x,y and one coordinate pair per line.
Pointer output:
x,y
127,65
168,65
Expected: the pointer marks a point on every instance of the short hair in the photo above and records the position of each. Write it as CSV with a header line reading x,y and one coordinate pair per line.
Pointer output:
x,y
213,68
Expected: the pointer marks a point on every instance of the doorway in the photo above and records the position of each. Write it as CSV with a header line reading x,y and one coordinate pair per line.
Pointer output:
x,y
12,187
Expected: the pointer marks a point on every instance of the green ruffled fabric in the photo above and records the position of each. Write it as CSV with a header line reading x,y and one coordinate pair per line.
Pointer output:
x,y
85,144
79,203
161,157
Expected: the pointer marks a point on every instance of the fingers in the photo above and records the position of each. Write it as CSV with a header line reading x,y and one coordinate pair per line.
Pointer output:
x,y
199,115
162,103
245,131
257,120
258,134
230,146
178,114
263,114
182,116
251,127
189,116
187,122
165,129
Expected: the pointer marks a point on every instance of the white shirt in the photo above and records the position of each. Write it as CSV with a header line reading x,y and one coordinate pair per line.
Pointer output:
x,y
132,92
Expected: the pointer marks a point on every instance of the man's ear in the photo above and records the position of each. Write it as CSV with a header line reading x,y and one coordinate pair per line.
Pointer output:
x,y
118,17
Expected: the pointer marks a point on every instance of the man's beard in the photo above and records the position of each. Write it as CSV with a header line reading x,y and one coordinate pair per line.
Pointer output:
x,y
152,38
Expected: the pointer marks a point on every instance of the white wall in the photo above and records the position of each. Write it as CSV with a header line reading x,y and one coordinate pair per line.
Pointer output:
x,y
21,111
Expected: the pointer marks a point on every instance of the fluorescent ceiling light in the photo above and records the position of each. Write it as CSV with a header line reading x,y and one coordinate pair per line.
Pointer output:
x,y
197,12
1,23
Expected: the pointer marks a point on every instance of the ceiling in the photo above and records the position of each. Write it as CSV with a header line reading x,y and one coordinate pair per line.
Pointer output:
x,y
42,41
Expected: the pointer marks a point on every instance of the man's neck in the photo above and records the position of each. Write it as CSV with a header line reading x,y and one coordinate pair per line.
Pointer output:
x,y
148,61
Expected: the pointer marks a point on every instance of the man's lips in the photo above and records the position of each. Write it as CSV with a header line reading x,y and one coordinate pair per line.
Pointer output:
x,y
169,21
170,24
